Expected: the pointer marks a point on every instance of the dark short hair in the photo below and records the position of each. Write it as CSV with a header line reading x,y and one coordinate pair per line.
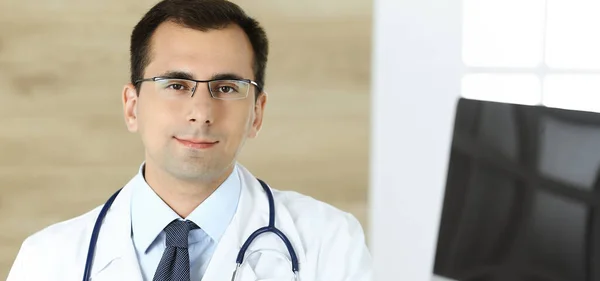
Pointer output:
x,y
201,15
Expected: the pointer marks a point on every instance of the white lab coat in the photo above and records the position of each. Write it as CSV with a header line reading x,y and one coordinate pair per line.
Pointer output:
x,y
329,243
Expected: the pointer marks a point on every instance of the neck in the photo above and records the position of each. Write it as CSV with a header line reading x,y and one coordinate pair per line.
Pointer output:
x,y
180,195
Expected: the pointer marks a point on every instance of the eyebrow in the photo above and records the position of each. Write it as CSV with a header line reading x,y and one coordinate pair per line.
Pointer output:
x,y
177,75
190,76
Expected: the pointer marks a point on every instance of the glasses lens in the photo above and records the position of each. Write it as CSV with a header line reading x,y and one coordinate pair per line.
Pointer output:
x,y
175,87
229,89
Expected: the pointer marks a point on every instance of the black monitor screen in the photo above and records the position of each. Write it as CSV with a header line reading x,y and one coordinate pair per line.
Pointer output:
x,y
522,193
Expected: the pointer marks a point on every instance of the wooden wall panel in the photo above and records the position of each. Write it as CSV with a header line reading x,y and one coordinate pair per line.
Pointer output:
x,y
63,144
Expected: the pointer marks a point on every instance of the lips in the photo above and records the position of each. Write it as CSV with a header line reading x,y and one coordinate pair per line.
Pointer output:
x,y
197,143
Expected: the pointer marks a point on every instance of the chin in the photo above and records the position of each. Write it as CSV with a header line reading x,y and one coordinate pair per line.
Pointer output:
x,y
197,172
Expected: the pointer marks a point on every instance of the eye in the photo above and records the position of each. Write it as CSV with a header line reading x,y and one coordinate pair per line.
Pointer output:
x,y
176,87
226,89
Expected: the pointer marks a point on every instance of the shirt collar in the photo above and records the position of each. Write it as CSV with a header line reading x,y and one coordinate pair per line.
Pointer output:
x,y
150,215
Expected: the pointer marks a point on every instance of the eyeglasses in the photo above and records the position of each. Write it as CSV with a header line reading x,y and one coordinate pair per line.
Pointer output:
x,y
223,89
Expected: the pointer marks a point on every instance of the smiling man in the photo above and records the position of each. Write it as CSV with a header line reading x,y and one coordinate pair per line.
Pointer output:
x,y
192,212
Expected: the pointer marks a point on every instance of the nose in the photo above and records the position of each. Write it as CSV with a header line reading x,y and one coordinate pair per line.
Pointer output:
x,y
201,106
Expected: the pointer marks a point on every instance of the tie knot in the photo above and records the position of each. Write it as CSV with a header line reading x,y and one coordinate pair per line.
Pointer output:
x,y
177,233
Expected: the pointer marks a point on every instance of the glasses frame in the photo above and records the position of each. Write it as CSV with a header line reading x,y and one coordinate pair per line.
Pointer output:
x,y
251,82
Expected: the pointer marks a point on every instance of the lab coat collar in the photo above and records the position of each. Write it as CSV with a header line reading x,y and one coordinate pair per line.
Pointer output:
x,y
115,243
114,239
252,214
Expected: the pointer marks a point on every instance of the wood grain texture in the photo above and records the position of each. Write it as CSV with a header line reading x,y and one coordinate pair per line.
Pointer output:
x,y
63,144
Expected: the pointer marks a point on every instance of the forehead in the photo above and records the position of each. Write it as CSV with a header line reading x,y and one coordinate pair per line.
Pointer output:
x,y
203,53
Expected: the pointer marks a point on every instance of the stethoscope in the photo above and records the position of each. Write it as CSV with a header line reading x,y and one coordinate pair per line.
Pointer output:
x,y
240,257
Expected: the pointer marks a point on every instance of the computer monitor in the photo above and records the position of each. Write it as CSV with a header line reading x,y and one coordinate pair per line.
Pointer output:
x,y
522,195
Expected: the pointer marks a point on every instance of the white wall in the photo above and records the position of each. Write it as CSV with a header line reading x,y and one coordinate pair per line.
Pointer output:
x,y
417,69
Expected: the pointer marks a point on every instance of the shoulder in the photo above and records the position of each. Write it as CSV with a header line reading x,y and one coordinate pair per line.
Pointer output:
x,y
333,238
306,207
309,212
49,242
68,229
76,230
45,248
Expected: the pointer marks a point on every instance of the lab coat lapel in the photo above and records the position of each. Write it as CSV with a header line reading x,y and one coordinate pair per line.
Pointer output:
x,y
115,257
272,266
252,214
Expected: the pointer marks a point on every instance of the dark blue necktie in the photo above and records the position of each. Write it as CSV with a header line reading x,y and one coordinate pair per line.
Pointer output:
x,y
175,262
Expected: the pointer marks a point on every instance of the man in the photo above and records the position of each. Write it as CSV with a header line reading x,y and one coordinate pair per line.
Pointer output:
x,y
196,93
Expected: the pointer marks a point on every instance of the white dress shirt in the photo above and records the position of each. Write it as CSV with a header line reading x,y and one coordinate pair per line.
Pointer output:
x,y
150,215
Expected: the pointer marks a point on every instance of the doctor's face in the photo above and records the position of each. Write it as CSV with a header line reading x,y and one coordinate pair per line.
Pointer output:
x,y
194,138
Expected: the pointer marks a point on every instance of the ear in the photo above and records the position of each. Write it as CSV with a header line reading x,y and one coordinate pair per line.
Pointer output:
x,y
130,99
259,110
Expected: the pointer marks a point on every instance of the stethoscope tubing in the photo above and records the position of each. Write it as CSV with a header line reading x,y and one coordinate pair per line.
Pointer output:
x,y
240,257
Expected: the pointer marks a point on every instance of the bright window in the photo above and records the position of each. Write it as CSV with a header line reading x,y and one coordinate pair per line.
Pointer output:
x,y
510,88
533,52
503,33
